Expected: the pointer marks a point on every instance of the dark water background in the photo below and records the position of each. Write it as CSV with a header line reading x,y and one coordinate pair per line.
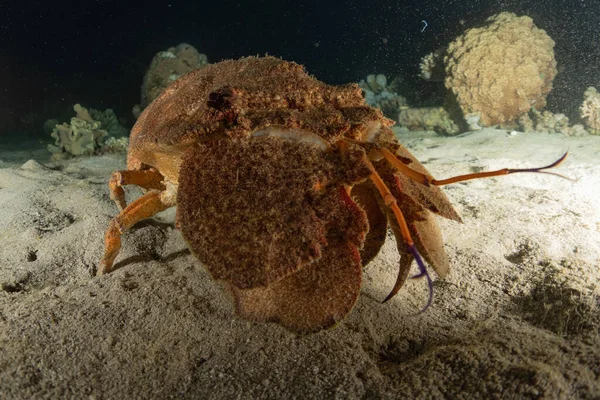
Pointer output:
x,y
95,52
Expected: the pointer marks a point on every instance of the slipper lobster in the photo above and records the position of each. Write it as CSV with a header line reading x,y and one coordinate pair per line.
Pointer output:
x,y
285,188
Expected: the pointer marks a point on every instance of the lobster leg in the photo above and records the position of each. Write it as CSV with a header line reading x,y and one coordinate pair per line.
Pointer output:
x,y
427,181
142,208
147,178
391,202
401,227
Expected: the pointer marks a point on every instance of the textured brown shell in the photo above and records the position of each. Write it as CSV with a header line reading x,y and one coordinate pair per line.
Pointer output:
x,y
266,211
236,97
271,217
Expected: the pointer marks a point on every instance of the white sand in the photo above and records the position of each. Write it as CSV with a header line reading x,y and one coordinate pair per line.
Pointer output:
x,y
517,318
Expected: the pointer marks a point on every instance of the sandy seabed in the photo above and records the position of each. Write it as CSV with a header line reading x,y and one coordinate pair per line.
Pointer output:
x,y
518,317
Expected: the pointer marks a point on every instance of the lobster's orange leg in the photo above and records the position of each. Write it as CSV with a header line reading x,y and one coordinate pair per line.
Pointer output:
x,y
391,202
147,178
427,181
142,208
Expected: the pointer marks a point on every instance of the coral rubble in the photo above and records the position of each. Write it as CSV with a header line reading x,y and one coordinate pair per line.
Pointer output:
x,y
428,119
549,122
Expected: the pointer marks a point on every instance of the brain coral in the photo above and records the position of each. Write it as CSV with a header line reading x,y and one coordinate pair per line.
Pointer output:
x,y
501,70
